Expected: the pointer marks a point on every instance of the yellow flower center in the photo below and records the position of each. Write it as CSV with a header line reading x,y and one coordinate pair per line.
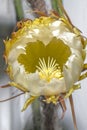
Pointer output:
x,y
49,70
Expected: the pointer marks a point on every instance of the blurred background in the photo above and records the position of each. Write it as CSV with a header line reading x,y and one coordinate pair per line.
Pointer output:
x,y
11,11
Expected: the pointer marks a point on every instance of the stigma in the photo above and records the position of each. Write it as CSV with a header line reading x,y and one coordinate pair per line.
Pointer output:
x,y
49,70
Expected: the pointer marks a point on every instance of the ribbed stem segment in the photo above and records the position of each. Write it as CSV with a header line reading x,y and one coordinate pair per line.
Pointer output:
x,y
19,10
36,115
56,6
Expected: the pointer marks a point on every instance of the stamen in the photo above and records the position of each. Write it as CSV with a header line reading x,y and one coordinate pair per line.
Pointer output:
x,y
49,70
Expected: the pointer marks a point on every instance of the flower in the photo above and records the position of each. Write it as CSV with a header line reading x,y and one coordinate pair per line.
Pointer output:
x,y
45,57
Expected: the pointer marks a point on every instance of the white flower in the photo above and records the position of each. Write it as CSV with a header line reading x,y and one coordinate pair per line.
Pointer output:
x,y
45,56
